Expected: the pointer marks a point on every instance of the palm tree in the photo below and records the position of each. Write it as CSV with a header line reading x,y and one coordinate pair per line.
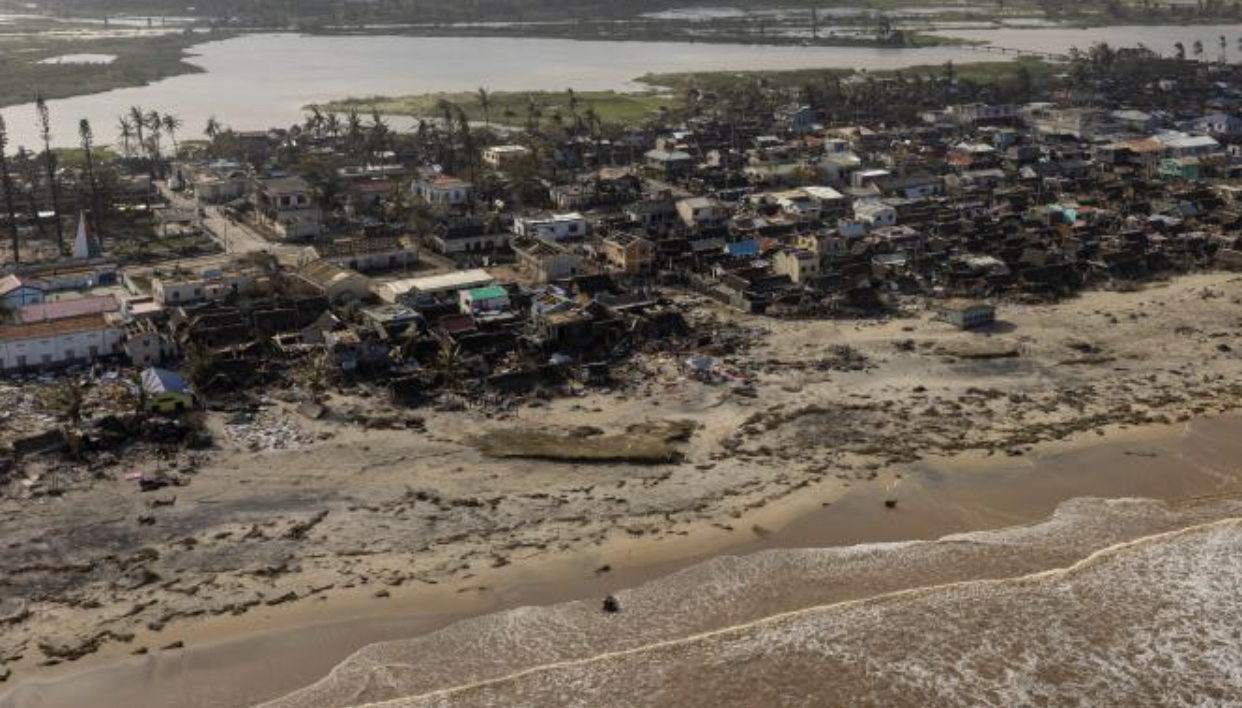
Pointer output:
x,y
126,135
314,122
353,129
49,163
213,128
6,183
1197,48
485,103
467,143
332,125
88,137
139,120
1179,51
573,104
156,125
450,147
171,125
379,133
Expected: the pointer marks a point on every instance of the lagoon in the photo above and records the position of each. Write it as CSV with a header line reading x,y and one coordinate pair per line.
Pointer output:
x,y
263,80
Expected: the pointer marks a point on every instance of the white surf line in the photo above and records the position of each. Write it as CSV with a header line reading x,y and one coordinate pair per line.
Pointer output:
x,y
1114,549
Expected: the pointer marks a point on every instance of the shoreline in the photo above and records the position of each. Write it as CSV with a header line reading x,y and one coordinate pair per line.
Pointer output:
x,y
936,497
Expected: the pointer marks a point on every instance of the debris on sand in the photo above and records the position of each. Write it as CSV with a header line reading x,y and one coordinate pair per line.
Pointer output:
x,y
612,605
990,349
645,443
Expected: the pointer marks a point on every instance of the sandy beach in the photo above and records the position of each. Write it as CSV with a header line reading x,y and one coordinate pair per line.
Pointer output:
x,y
274,565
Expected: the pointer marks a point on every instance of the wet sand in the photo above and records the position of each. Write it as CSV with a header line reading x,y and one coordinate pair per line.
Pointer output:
x,y
225,666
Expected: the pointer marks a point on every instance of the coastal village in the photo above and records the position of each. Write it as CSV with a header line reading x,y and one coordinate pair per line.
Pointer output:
x,y
274,291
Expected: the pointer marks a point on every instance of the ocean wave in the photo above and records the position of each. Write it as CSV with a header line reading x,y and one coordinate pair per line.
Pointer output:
x,y
1107,598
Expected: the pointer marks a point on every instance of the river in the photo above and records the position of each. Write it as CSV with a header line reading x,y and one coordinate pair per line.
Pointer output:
x,y
263,80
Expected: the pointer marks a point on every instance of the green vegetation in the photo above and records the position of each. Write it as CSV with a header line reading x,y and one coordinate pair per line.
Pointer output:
x,y
724,81
139,61
674,90
515,108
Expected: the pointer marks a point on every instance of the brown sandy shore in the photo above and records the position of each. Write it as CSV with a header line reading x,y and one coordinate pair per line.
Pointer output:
x,y
272,566
942,496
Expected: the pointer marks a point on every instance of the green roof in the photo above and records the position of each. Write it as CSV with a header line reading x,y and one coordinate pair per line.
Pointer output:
x,y
489,293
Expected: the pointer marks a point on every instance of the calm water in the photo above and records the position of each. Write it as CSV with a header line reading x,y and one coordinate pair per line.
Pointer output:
x,y
259,81
1160,38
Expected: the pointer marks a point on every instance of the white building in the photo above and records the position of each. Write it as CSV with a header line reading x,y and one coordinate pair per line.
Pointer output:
x,y
500,156
286,205
211,284
555,227
982,112
875,214
435,285
701,212
53,343
800,265
442,190
798,204
544,261
492,298
1183,145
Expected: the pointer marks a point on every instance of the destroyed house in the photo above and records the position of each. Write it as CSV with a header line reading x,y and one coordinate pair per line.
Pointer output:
x,y
465,234
210,326
544,261
366,254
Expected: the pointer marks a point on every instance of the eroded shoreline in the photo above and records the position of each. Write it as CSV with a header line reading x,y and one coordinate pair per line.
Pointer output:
x,y
420,525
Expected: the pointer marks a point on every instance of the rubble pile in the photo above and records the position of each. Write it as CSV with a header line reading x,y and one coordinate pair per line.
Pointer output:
x,y
270,429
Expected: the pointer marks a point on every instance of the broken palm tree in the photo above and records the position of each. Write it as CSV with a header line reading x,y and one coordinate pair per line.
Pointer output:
x,y
644,443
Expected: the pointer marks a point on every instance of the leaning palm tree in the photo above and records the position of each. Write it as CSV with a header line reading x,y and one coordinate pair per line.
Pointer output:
x,y
88,138
49,163
6,183
171,125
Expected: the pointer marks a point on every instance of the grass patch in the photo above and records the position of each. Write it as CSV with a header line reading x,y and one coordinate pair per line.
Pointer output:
x,y
139,61
650,443
980,72
513,107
